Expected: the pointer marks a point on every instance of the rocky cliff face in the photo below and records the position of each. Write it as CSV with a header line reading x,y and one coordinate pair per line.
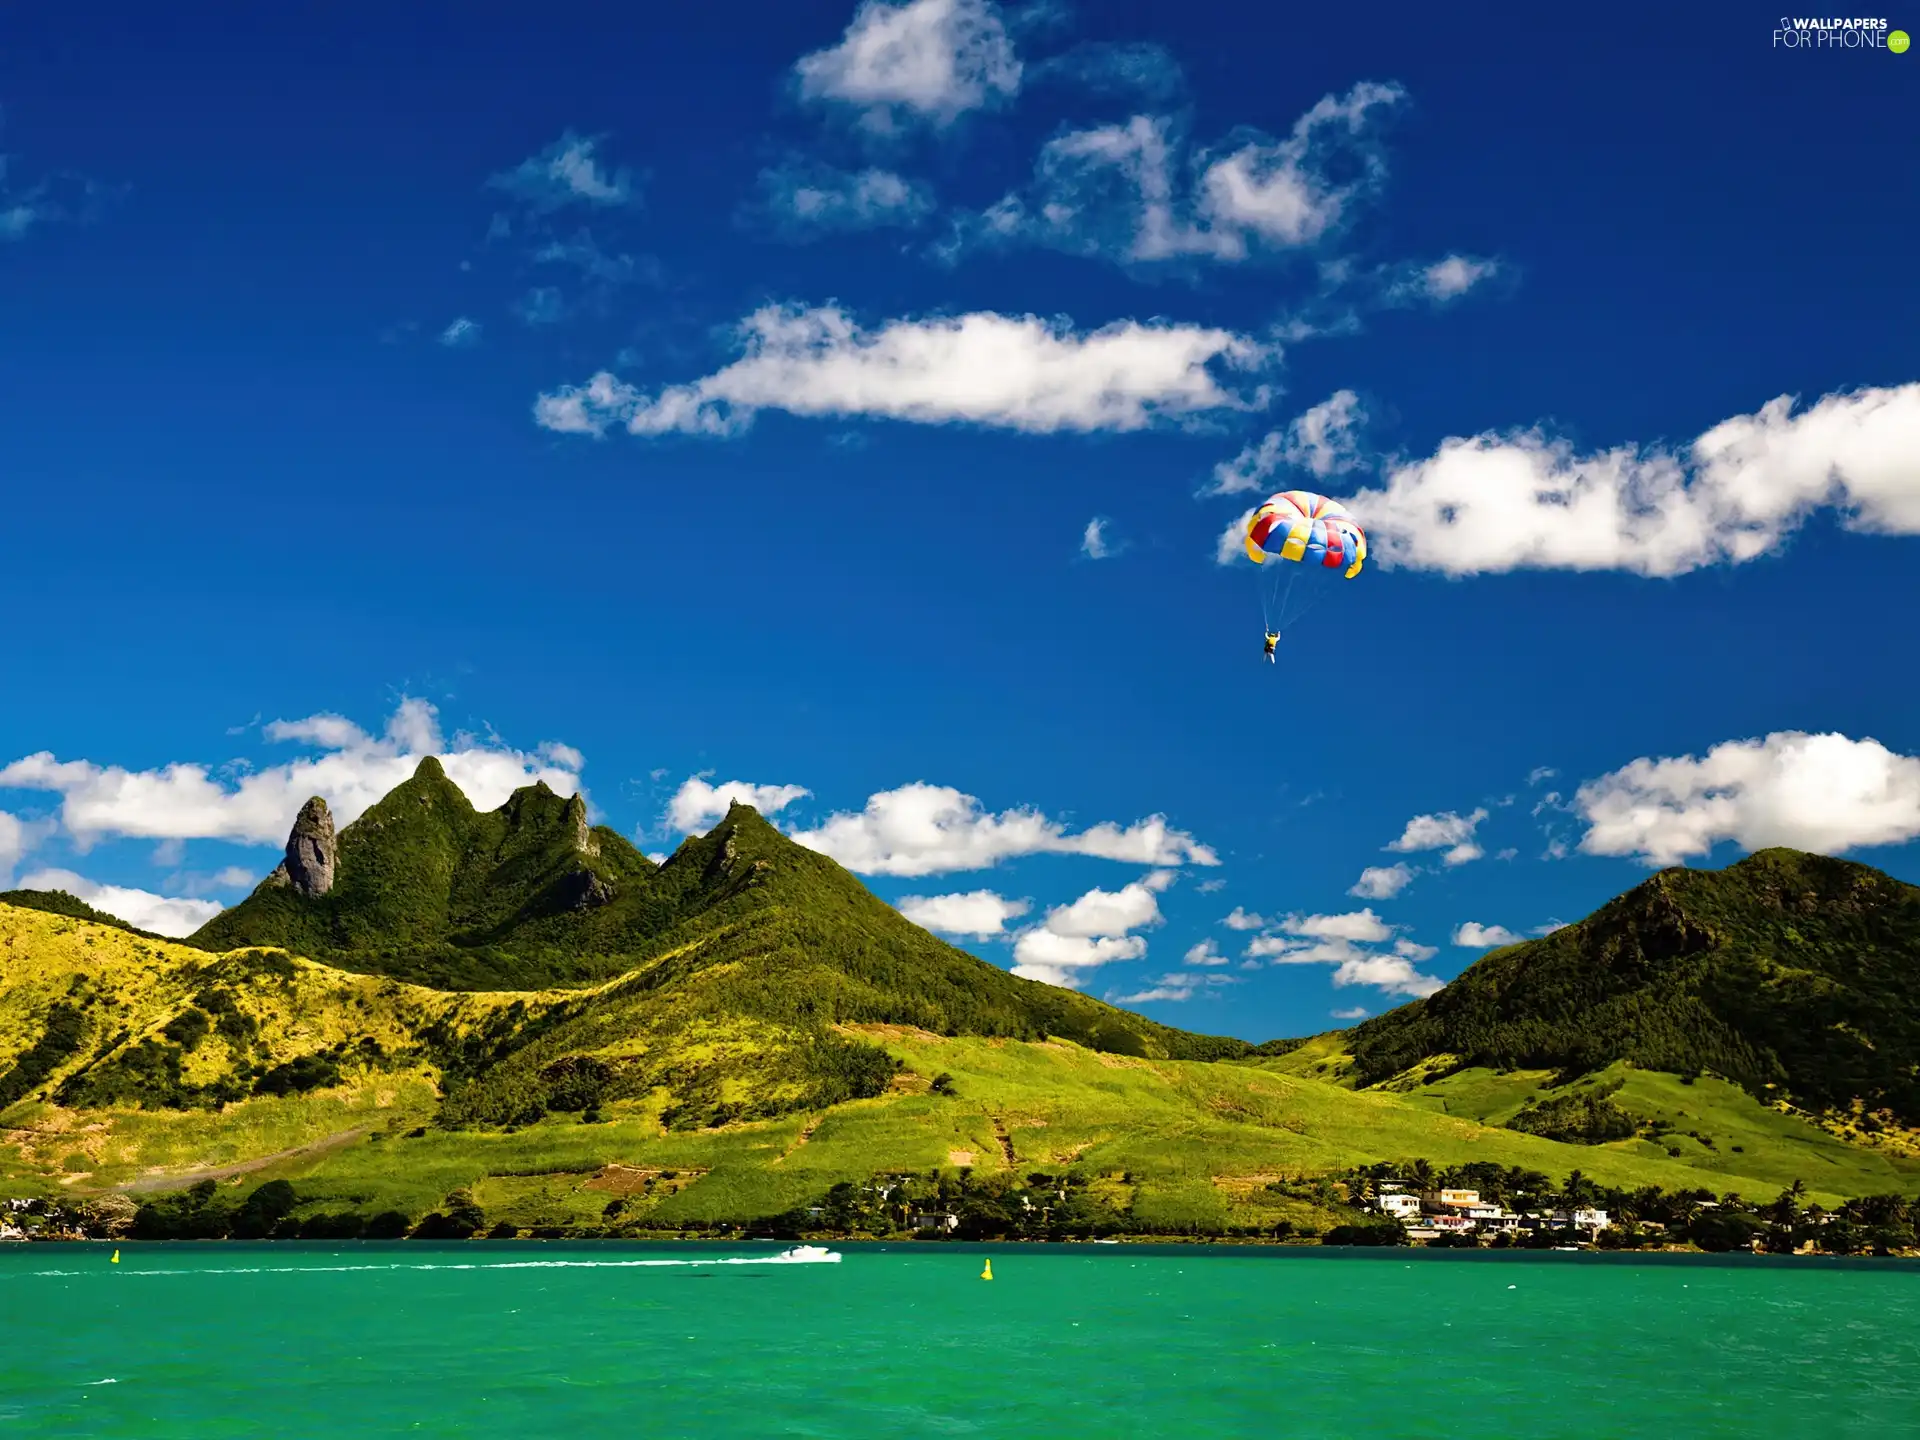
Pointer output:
x,y
313,851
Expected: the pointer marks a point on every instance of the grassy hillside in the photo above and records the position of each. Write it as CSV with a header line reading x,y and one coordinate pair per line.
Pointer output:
x,y
515,1019
1792,974
394,1110
59,902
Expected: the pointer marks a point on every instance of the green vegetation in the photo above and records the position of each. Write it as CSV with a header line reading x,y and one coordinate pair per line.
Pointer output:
x,y
528,897
1588,1117
1790,974
745,1037
59,902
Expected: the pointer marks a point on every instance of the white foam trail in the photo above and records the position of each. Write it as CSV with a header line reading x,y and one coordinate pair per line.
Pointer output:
x,y
828,1259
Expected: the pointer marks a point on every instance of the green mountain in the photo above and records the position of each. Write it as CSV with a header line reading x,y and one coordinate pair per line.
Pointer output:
x,y
738,922
1794,975
512,1018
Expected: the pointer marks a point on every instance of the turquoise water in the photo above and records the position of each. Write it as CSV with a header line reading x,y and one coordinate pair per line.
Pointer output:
x,y
490,1339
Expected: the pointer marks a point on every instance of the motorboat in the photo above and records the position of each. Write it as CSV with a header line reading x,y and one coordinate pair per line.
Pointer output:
x,y
809,1255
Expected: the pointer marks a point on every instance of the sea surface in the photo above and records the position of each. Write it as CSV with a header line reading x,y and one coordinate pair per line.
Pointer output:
x,y
530,1340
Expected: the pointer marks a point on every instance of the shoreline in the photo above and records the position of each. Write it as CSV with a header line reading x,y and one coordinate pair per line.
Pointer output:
x,y
1134,1245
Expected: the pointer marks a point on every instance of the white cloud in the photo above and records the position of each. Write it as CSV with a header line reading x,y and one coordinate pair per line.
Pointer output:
x,y
1286,950
1158,992
1175,987
807,200
1123,191
1205,954
936,59
565,173
1445,831
184,800
1528,501
697,804
1825,793
1382,882
1360,926
1322,441
1445,280
17,840
1392,973
1009,372
565,756
461,334
979,914
1474,936
1091,931
1242,919
139,908
1231,546
1040,954
1342,941
325,731
1094,543
1106,912
1281,192
1357,1012
923,829
233,877
1541,773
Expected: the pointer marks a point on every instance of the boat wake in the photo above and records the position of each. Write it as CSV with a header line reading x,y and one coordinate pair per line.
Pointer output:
x,y
796,1255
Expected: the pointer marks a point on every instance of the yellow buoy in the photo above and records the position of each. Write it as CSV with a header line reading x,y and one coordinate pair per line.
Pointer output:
x,y
116,1258
987,1274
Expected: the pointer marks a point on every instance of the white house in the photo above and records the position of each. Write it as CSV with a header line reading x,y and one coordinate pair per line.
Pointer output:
x,y
1401,1207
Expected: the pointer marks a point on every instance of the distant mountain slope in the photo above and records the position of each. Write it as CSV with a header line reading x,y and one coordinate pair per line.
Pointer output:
x,y
739,922
1792,974
148,1066
59,902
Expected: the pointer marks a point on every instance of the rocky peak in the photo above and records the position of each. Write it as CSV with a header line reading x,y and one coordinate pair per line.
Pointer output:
x,y
578,831
312,850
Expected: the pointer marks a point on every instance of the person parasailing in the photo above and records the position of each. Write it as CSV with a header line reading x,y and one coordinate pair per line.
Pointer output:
x,y
1317,535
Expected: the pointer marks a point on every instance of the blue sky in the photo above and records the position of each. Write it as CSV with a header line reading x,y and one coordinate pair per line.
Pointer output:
x,y
852,401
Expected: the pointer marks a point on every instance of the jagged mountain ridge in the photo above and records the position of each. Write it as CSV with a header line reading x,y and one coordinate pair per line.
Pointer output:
x,y
425,888
1795,975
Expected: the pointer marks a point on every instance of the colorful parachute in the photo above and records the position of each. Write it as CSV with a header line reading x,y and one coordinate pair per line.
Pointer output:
x,y
1299,525
1320,536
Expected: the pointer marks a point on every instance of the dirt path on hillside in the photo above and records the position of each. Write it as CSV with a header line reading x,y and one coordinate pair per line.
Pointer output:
x,y
146,1184
1006,1145
806,1134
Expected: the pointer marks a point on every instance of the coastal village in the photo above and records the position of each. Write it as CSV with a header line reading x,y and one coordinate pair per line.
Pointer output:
x,y
1436,1214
